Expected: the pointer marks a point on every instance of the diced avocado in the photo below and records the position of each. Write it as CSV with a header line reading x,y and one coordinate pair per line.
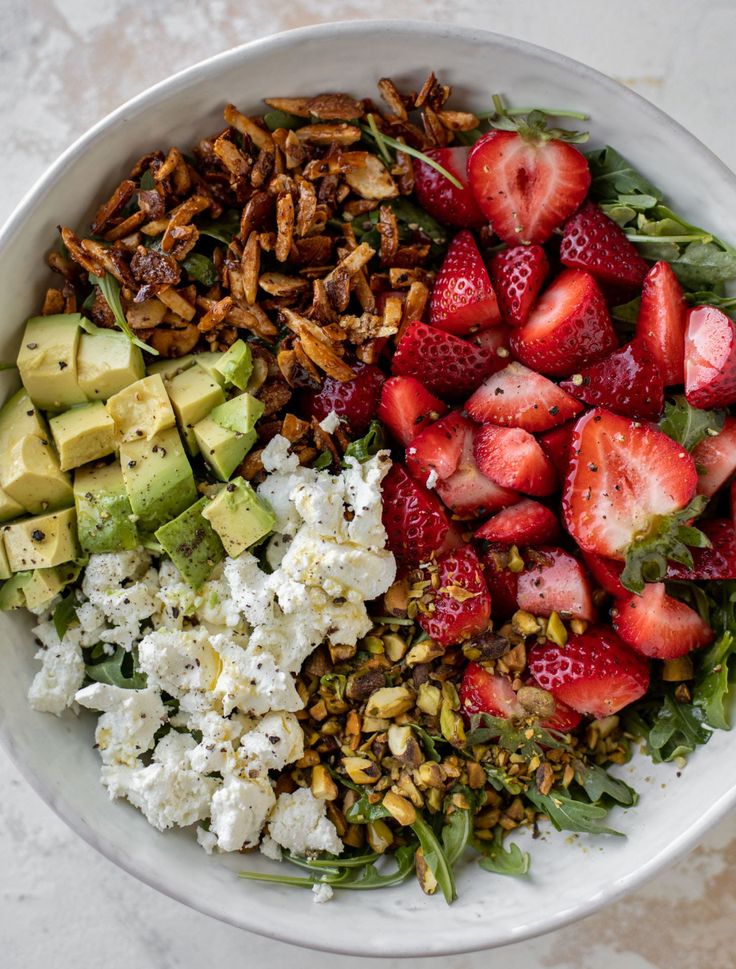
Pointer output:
x,y
235,365
107,362
239,413
105,520
193,394
5,570
192,544
44,584
142,410
11,593
83,434
239,517
42,541
48,361
9,508
170,368
222,449
208,362
158,478
19,417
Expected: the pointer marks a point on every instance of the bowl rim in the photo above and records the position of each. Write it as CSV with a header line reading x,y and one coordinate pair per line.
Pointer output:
x,y
681,844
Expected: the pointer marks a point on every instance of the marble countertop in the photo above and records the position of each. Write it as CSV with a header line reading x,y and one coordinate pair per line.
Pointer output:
x,y
63,65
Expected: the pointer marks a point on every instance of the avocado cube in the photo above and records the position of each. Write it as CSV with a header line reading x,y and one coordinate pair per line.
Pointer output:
x,y
83,434
223,450
9,508
31,475
47,361
105,520
44,584
18,418
158,478
41,542
5,570
192,544
11,592
235,365
142,410
193,394
239,517
107,362
208,362
170,368
239,413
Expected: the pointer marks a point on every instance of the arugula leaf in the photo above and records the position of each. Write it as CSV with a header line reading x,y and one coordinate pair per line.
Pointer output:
x,y
110,289
367,446
200,268
708,297
282,119
533,123
456,833
120,669
356,874
415,217
363,812
678,728
435,858
322,461
370,877
223,229
597,783
386,140
525,739
501,781
147,180
428,741
613,176
7,365
627,312
687,425
570,814
712,681
500,860
703,264
65,614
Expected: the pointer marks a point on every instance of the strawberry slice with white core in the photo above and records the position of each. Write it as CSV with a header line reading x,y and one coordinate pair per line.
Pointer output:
x,y
436,451
526,523
469,492
484,692
628,492
554,581
462,603
569,328
445,364
661,322
526,184
406,408
438,196
715,458
519,397
595,673
710,358
463,298
511,457
657,625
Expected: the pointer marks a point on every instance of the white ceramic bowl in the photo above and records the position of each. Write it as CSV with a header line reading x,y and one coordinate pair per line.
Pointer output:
x,y
567,880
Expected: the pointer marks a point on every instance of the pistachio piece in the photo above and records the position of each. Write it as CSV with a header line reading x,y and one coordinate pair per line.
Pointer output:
x,y
404,746
389,702
430,775
516,562
396,599
379,836
423,652
525,623
578,626
395,647
374,724
677,670
323,786
536,701
360,770
429,699
451,725
400,808
427,881
556,630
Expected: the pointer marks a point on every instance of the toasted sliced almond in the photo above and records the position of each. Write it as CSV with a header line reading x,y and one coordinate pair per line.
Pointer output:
x,y
260,137
328,134
231,157
177,303
367,176
279,284
119,198
285,226
250,267
390,94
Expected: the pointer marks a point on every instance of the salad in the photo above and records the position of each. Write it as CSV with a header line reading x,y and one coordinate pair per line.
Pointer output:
x,y
371,480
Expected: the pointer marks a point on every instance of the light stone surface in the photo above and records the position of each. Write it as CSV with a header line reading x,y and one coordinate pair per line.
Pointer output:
x,y
63,65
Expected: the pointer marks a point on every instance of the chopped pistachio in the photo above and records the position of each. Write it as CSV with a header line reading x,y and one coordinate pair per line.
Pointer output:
x,y
516,562
323,785
360,770
556,630
429,699
379,836
426,879
395,647
677,670
401,809
389,702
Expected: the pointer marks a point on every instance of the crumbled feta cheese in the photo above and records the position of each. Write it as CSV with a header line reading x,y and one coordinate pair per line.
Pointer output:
x,y
270,849
129,721
330,423
179,661
322,893
339,569
216,750
276,741
61,674
276,457
299,823
125,589
363,496
239,811
432,479
251,681
206,840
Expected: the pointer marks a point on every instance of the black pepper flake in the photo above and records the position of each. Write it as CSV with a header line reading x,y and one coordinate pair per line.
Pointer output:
x,y
37,535
230,488
132,464
63,364
32,346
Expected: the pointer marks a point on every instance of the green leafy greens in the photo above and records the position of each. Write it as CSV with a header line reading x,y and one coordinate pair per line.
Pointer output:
x,y
688,425
120,669
366,447
110,289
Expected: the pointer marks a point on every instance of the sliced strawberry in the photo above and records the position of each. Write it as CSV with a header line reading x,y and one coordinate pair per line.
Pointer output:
x,y
518,275
624,477
595,673
501,581
445,364
593,242
569,328
733,504
356,400
710,358
526,187
526,523
511,457
556,445
606,572
554,581
717,562
438,196
715,459
415,521
484,692
406,408
564,719
437,448
654,624
627,381
661,322
495,341
518,397
462,603
463,298
467,491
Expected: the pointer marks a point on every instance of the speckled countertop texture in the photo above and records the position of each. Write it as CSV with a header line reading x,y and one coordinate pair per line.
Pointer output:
x,y
63,65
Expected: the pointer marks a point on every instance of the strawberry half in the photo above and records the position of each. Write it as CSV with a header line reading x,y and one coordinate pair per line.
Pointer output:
x,y
569,327
518,275
526,523
627,381
463,298
554,581
526,185
710,358
716,562
415,521
656,625
626,487
462,603
445,364
501,581
406,408
437,448
519,397
564,719
593,242
468,492
484,692
496,342
512,458
715,458
438,196
356,400
606,572
556,445
661,322
595,673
